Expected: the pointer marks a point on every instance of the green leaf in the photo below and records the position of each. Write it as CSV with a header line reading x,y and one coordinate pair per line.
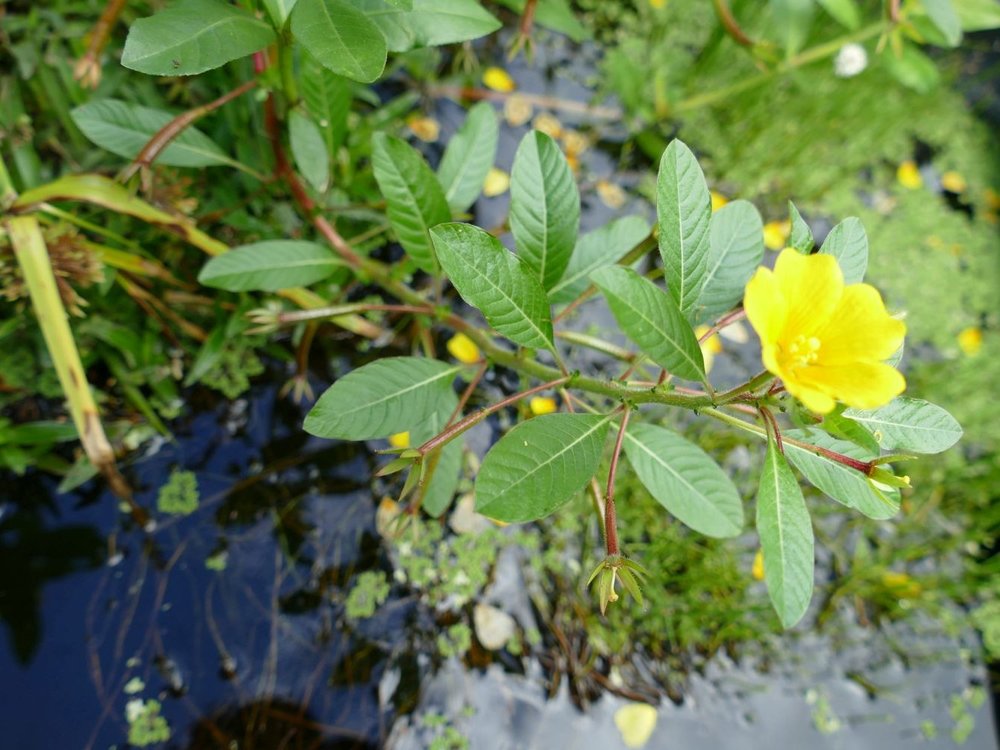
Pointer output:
x,y
736,246
602,247
650,318
913,69
848,243
792,20
193,36
801,236
414,199
544,207
847,429
942,14
341,38
841,483
270,266
786,539
685,480
309,150
328,99
845,12
124,129
468,157
279,10
910,424
441,490
684,210
428,23
539,465
978,15
493,280
381,398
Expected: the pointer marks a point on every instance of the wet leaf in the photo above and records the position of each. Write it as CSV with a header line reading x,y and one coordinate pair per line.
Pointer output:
x,y
910,424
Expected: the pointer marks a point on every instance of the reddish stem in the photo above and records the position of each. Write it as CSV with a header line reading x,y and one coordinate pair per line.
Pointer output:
x,y
610,515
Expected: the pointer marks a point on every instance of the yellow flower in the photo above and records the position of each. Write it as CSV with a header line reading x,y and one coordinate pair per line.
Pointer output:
x,y
497,182
400,440
517,110
970,341
909,175
611,195
826,341
709,347
542,405
757,570
426,129
658,3
498,79
776,234
462,348
636,722
719,200
953,182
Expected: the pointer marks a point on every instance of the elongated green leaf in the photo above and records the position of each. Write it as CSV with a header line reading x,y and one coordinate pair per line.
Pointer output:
x,y
124,129
942,14
309,150
469,156
786,539
910,424
490,278
847,429
193,36
382,398
270,266
602,247
413,196
685,480
913,69
684,210
328,99
801,236
428,23
441,490
848,243
650,318
340,37
845,12
842,483
544,207
792,20
539,465
279,10
978,15
736,246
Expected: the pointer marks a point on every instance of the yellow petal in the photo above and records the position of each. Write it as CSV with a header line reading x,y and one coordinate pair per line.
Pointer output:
x,y
517,110
542,405
400,440
548,124
970,341
776,234
812,286
426,129
574,142
658,4
498,79
757,571
908,175
953,182
497,182
611,195
718,200
462,348
863,385
860,328
636,722
813,399
765,306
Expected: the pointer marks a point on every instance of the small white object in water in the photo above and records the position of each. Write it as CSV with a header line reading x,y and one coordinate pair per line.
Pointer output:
x,y
494,628
851,60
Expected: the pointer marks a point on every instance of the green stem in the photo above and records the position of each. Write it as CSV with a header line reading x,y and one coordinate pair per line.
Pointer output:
x,y
733,394
7,192
286,63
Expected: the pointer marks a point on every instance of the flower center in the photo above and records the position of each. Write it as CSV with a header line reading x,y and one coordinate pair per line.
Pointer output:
x,y
803,351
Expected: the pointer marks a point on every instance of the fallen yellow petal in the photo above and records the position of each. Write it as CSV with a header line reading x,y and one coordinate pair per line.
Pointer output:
x,y
757,570
462,348
542,405
548,124
636,722
908,175
658,3
901,585
426,129
400,440
497,182
517,110
611,195
574,142
718,200
776,234
498,79
953,182
970,341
